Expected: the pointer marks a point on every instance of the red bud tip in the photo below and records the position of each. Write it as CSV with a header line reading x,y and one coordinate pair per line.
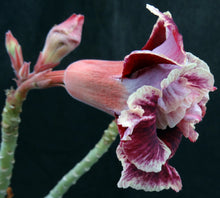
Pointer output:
x,y
60,41
14,51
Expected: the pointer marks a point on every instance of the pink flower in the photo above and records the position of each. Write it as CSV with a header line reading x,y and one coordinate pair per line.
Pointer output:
x,y
157,94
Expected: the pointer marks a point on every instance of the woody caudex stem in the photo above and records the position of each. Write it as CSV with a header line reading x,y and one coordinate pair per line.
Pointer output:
x,y
9,124
87,162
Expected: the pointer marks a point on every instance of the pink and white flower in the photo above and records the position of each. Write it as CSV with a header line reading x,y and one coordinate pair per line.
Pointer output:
x,y
157,94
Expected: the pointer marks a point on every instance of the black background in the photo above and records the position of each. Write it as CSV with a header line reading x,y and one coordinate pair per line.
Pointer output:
x,y
57,131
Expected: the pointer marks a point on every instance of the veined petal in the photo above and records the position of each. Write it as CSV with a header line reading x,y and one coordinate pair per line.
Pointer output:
x,y
193,115
171,49
182,90
191,58
145,150
165,38
188,130
174,102
147,181
139,139
173,94
203,102
141,103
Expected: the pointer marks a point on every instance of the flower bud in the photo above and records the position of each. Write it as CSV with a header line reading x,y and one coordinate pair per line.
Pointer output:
x,y
24,71
60,41
14,51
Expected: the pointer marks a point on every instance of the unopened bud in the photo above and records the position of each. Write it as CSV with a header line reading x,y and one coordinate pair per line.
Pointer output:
x,y
60,41
14,51
24,71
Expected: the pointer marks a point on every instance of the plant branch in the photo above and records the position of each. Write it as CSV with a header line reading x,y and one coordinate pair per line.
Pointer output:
x,y
87,162
10,123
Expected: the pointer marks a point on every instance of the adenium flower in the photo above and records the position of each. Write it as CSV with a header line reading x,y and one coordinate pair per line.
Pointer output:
x,y
157,94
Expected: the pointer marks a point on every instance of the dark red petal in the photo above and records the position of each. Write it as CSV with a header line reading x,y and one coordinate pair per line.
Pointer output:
x,y
165,38
167,178
143,58
165,45
145,150
171,137
137,128
158,36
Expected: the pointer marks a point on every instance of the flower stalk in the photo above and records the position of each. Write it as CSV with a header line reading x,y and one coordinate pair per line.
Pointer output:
x,y
87,162
61,40
10,123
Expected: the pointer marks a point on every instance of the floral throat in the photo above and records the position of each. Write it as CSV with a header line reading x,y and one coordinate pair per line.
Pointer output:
x,y
157,94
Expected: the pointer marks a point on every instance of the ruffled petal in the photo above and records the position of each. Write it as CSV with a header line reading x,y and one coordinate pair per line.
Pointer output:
x,y
132,177
141,105
139,139
174,94
165,38
174,102
198,78
188,130
194,59
145,150
202,104
193,115
184,95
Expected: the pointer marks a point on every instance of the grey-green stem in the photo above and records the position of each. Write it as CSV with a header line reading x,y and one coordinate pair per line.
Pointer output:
x,y
9,124
87,162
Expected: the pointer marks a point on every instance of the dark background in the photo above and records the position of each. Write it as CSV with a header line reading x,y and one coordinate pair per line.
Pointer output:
x,y
57,131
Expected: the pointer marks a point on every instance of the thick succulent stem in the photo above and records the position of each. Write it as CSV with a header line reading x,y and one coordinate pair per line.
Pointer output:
x,y
9,124
87,162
